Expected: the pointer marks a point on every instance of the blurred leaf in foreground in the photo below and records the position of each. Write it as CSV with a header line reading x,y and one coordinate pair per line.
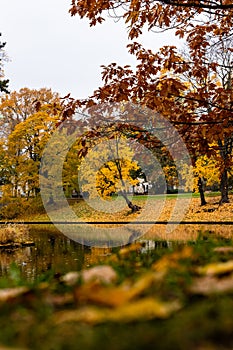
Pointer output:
x,y
102,274
12,293
138,311
210,285
224,250
218,268
116,296
169,261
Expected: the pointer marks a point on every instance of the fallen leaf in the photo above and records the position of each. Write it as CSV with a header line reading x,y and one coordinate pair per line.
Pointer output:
x,y
70,278
216,268
209,284
223,250
115,296
59,300
101,274
11,293
140,310
169,261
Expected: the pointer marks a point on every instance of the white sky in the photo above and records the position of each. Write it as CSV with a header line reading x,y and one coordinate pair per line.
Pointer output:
x,y
49,48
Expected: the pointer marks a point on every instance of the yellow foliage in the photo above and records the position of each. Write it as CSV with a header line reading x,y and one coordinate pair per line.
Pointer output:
x,y
140,310
187,173
206,168
28,118
219,268
107,168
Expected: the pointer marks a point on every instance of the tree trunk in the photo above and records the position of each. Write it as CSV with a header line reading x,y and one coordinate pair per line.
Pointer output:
x,y
201,185
224,187
132,206
50,201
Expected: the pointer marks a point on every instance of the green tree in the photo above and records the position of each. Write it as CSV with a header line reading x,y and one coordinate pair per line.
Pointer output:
x,y
3,82
70,169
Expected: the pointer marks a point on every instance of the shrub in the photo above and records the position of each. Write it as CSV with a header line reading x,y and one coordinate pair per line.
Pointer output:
x,y
13,234
13,208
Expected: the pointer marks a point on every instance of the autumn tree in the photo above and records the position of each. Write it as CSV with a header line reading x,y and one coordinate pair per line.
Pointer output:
x,y
135,124
222,53
19,105
25,146
108,158
28,119
202,111
214,117
206,171
70,172
107,169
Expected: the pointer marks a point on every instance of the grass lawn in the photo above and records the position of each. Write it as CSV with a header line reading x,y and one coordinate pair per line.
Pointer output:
x,y
154,208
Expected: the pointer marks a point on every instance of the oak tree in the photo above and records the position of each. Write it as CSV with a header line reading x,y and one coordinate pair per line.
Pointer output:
x,y
194,93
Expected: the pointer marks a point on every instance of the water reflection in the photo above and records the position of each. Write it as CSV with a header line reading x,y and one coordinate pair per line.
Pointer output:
x,y
57,253
149,244
51,252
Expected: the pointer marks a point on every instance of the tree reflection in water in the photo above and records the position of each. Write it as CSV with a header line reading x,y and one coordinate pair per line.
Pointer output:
x,y
52,252
55,253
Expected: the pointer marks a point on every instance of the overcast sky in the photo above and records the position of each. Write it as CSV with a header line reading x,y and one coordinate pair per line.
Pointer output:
x,y
49,48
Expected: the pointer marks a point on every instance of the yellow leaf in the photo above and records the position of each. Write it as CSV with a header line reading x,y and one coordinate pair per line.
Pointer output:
x,y
216,268
115,296
169,261
138,311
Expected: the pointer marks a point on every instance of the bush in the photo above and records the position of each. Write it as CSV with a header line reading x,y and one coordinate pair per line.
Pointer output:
x,y
13,209
13,234
35,206
17,207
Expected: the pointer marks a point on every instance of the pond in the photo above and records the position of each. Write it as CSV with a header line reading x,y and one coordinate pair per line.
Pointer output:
x,y
51,252
58,254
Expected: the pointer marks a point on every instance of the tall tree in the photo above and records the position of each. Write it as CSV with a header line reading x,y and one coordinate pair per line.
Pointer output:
x,y
200,106
25,146
28,118
108,166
